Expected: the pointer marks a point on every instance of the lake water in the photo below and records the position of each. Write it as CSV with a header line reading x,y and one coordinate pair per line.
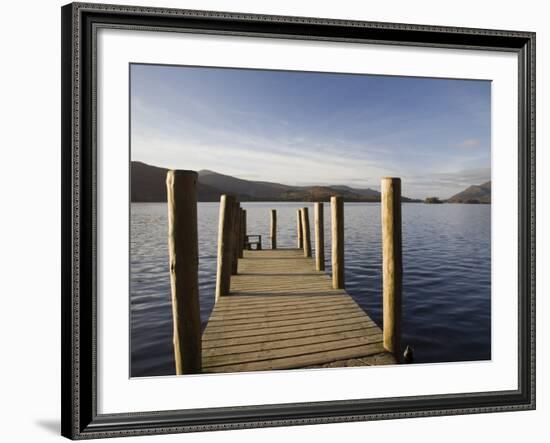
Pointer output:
x,y
446,267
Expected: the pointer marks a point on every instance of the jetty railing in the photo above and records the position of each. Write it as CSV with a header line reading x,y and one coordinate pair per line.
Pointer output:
x,y
233,239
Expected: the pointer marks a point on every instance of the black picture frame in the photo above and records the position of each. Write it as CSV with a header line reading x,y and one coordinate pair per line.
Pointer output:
x,y
79,174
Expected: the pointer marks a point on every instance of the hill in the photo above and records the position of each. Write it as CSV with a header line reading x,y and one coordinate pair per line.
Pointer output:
x,y
148,185
473,194
252,189
319,193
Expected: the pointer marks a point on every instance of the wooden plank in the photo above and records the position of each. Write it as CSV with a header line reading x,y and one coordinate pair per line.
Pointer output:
x,y
275,310
226,349
231,326
254,317
264,283
277,300
301,360
284,288
285,254
271,354
272,302
293,274
352,325
207,335
270,270
268,254
279,253
295,268
252,297
384,358
289,310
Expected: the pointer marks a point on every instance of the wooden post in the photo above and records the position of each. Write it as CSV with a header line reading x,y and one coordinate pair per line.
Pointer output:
x,y
273,232
240,234
306,234
337,215
243,232
319,237
183,247
223,274
300,241
235,243
392,266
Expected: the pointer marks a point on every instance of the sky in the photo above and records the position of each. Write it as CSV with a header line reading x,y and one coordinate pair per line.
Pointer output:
x,y
304,128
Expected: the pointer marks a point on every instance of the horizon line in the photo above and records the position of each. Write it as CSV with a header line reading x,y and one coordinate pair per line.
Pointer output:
x,y
307,185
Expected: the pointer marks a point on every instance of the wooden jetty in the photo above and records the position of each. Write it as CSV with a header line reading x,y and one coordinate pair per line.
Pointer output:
x,y
282,313
277,308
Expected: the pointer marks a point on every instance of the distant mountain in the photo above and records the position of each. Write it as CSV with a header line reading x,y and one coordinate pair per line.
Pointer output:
x,y
254,190
473,194
148,184
367,193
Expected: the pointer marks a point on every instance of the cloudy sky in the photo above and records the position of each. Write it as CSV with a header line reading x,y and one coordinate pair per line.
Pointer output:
x,y
314,128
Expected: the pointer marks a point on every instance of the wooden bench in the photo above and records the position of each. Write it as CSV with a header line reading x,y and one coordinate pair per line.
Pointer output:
x,y
249,242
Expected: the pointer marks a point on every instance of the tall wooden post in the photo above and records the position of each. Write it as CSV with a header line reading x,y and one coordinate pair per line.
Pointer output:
x,y
183,247
236,216
337,215
240,237
306,234
243,232
392,266
300,233
223,274
273,232
319,237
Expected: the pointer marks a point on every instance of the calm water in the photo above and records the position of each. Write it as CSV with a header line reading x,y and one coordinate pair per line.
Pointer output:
x,y
446,261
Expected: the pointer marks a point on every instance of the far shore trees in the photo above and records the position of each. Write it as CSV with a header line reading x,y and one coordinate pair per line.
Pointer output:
x,y
432,200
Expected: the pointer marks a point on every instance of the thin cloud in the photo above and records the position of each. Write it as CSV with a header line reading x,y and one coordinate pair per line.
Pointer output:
x,y
469,143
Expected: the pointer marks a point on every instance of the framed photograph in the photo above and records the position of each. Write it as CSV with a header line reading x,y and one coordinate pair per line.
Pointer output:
x,y
273,221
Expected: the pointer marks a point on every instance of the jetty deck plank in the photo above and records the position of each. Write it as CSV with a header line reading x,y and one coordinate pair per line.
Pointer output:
x,y
281,314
